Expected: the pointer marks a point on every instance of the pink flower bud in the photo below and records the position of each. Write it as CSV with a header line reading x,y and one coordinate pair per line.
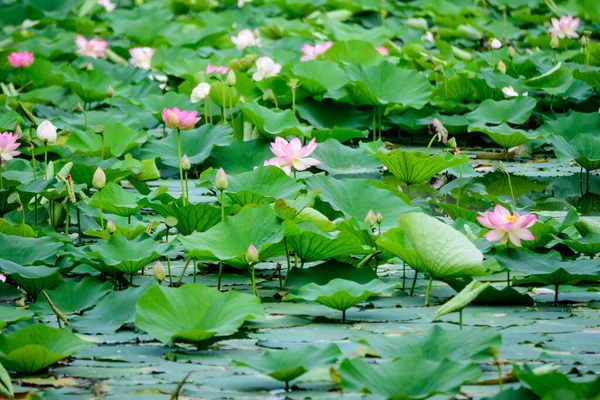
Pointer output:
x,y
99,179
221,180
159,272
185,163
251,254
110,226
370,219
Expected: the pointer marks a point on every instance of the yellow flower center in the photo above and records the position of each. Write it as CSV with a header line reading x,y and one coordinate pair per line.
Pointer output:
x,y
511,218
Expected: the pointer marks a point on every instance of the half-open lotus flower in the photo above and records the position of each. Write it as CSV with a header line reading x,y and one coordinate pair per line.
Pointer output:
x,y
95,48
311,52
21,59
566,27
176,119
506,226
293,154
8,146
245,39
141,57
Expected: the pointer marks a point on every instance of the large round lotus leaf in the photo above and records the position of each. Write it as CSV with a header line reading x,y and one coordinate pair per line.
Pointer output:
x,y
443,250
583,148
555,81
193,313
36,347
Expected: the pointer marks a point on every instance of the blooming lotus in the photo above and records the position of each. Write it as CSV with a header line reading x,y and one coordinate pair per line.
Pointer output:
x,y
382,50
95,48
210,69
293,154
141,57
200,92
2,278
108,5
275,163
8,146
311,52
245,39
265,68
507,227
176,119
566,27
21,59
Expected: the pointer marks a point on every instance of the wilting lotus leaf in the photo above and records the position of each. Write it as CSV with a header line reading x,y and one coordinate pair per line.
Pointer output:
x,y
436,345
443,251
197,144
32,279
556,81
264,184
376,85
287,365
348,196
228,241
121,256
413,167
554,385
462,299
583,148
410,378
270,123
311,244
116,200
341,294
73,297
193,313
36,347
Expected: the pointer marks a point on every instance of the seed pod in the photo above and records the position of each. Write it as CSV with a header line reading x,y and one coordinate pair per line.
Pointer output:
x,y
70,188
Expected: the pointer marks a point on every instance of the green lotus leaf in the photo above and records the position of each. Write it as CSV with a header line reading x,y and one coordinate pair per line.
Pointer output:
x,y
341,294
116,200
413,167
554,82
287,365
90,85
504,135
491,112
32,279
6,388
264,184
312,244
411,378
436,345
319,77
505,296
10,315
348,196
377,85
331,115
354,52
29,251
197,144
588,244
37,347
554,385
84,173
268,122
573,123
73,297
592,78
155,103
583,148
121,256
338,159
394,241
324,273
193,313
443,250
462,299
228,241
240,156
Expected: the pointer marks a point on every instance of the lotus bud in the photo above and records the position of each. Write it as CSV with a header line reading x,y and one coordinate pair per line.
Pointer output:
x,y
494,352
46,132
230,79
99,179
502,67
511,52
110,227
451,143
159,272
554,42
18,131
221,180
495,44
185,163
110,91
247,62
584,41
379,218
370,219
251,254
587,33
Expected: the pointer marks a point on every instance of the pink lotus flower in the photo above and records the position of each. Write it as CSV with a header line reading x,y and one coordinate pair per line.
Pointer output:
x,y
293,154
275,163
95,48
382,50
566,27
8,146
141,57
184,120
2,278
108,5
506,226
210,69
311,52
21,59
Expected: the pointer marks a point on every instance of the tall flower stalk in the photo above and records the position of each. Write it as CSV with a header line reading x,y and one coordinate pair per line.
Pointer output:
x,y
99,181
221,184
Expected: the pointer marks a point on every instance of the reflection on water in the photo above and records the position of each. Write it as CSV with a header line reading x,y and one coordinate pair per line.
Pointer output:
x,y
588,204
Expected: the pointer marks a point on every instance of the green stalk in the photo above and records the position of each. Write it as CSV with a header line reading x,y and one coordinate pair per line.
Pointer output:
x,y
169,271
102,150
460,319
231,114
287,256
222,219
180,166
45,160
23,219
195,270
253,280
428,291
187,188
224,108
67,219
512,193
1,183
404,276
460,180
374,125
500,380
101,218
430,143
493,62
294,100
205,112
78,224
412,289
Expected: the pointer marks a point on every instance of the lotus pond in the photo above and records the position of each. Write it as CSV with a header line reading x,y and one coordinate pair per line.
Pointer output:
x,y
293,199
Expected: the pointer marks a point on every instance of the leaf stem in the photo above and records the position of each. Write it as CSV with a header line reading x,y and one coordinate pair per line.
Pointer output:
x,y
101,217
428,291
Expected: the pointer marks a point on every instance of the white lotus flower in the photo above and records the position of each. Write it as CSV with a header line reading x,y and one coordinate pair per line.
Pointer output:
x,y
46,132
245,39
495,44
510,92
266,68
200,92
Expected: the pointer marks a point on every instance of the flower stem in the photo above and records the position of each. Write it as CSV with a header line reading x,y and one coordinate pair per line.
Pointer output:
x,y
428,291
374,125
78,224
493,62
67,219
102,149
1,183
224,108
412,289
23,219
460,180
294,100
500,380
222,219
460,319
169,270
180,166
101,218
187,187
430,143
404,276
253,280
205,112
231,114
287,256
45,160
512,193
